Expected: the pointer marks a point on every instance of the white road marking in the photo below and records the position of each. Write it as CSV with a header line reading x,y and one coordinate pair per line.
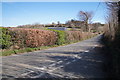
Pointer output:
x,y
52,69
30,66
96,45
60,75
59,61
45,60
49,70
52,65
44,70
86,51
38,76
27,73
74,60
68,63
76,56
79,57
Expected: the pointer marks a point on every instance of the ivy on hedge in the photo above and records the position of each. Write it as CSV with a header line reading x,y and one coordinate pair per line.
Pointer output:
x,y
61,37
5,38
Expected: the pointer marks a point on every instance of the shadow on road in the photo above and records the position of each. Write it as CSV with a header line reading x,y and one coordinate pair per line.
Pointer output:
x,y
88,64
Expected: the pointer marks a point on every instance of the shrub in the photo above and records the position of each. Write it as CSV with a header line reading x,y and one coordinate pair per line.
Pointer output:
x,y
5,38
24,37
73,36
61,37
86,35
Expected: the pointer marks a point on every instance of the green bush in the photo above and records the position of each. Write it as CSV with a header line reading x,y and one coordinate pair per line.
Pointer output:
x,y
61,37
29,49
5,38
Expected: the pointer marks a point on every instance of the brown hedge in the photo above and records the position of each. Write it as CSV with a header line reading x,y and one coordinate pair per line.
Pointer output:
x,y
26,37
73,36
23,37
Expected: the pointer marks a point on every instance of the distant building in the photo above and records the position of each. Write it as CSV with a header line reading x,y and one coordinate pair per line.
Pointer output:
x,y
58,28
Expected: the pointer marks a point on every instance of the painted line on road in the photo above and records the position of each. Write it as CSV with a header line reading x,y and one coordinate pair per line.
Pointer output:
x,y
74,60
68,63
55,63
24,74
59,61
52,65
86,51
38,76
30,66
44,70
96,45
45,60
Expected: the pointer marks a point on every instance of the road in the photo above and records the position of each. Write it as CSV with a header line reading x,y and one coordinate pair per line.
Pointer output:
x,y
78,60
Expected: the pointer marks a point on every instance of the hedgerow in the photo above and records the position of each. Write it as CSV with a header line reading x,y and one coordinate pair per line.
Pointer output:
x,y
73,36
23,37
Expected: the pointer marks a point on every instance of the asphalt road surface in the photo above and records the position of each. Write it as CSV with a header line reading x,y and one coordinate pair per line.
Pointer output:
x,y
78,60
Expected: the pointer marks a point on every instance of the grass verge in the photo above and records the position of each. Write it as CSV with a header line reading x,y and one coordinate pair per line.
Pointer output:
x,y
17,51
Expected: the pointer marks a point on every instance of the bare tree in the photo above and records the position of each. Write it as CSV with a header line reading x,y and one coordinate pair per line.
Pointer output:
x,y
112,36
112,19
86,17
